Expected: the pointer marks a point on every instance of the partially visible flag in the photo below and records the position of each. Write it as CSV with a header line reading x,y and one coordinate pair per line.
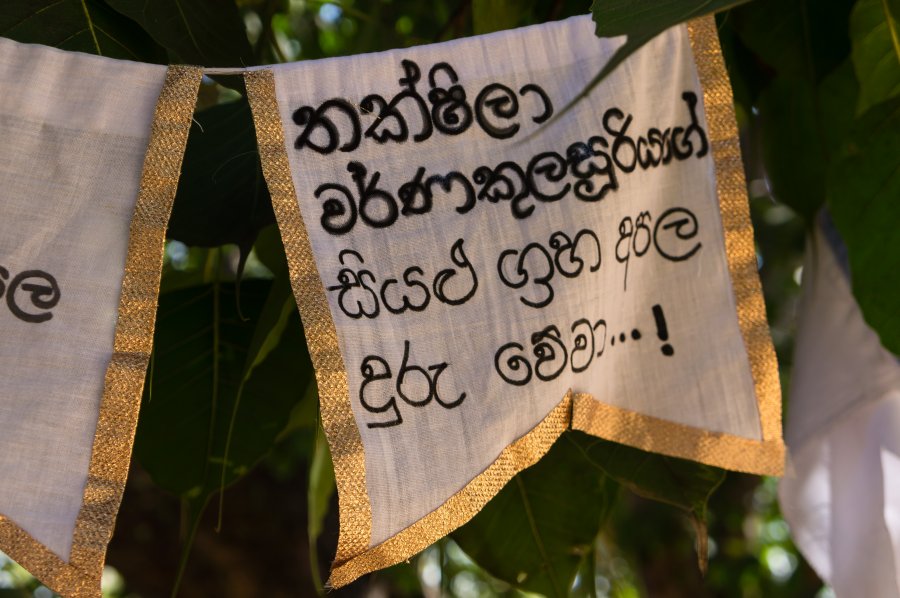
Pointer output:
x,y
89,161
842,494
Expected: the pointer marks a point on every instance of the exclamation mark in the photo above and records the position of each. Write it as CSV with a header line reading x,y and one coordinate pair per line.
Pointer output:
x,y
662,330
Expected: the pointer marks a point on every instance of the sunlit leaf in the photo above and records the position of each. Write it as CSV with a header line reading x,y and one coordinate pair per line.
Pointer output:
x,y
875,31
497,15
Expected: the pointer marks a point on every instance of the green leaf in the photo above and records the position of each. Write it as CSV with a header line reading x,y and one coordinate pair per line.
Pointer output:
x,y
202,364
875,32
640,21
686,485
793,144
270,250
223,389
536,532
321,489
497,15
198,32
222,196
801,86
801,127
773,31
627,17
863,192
78,25
837,92
804,39
677,482
267,338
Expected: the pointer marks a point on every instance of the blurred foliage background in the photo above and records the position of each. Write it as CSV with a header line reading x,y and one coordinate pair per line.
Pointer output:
x,y
230,399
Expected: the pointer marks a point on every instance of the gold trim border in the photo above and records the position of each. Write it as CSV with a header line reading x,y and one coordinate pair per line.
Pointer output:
x,y
660,436
738,228
346,445
465,504
133,341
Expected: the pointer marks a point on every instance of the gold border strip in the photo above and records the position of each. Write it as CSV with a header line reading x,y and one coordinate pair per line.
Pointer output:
x,y
465,504
677,440
43,563
321,335
735,209
133,341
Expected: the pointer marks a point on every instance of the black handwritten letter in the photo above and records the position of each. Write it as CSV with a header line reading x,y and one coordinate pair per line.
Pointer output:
x,y
504,105
681,223
546,344
553,168
458,257
371,197
316,119
545,100
369,374
450,112
405,302
43,294
515,363
338,213
352,289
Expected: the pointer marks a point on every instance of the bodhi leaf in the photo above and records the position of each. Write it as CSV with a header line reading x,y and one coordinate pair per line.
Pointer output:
x,y
683,484
626,17
804,39
88,26
537,531
863,187
497,15
640,21
793,146
221,389
791,60
222,196
197,357
270,250
837,92
201,365
273,351
199,32
802,125
875,32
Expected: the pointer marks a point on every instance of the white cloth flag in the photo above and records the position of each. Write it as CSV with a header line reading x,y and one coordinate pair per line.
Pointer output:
x,y
471,285
841,496
75,130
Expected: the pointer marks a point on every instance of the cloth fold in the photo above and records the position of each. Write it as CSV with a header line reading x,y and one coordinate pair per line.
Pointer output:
x,y
841,496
